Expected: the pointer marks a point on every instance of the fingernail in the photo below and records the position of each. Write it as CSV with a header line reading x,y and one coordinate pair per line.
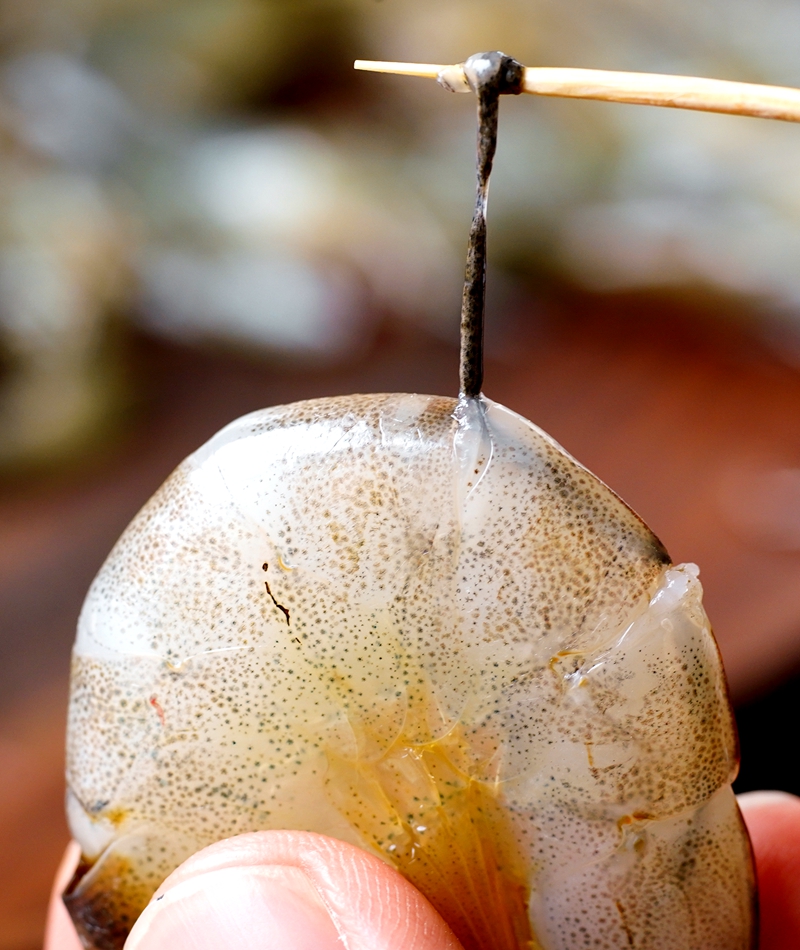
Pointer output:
x,y
242,908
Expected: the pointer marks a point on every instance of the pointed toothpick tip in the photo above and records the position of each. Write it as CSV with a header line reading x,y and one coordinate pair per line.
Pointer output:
x,y
426,70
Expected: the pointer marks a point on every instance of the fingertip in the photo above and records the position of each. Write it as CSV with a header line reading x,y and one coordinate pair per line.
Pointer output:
x,y
273,889
60,933
773,823
767,798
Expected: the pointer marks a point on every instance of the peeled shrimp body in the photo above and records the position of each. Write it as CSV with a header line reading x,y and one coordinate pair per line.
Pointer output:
x,y
418,625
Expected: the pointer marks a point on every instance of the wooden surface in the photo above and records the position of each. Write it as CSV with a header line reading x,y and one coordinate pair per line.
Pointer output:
x,y
674,92
679,413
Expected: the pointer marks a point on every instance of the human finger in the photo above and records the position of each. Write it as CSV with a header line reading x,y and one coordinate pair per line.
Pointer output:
x,y
59,932
273,890
773,822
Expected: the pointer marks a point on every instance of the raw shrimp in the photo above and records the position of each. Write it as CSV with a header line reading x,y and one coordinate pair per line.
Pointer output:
x,y
416,624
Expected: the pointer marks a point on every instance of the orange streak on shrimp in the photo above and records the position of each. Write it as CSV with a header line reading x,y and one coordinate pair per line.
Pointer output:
x,y
159,709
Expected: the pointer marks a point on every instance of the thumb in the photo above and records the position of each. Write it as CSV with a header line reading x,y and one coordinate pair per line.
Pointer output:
x,y
288,890
274,890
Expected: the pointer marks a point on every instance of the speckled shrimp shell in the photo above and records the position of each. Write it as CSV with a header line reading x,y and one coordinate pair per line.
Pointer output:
x,y
417,625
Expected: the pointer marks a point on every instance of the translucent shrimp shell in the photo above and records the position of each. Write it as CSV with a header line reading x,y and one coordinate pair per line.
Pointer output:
x,y
420,626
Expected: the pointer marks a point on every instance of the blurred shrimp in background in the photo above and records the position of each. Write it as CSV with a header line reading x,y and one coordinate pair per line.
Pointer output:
x,y
204,210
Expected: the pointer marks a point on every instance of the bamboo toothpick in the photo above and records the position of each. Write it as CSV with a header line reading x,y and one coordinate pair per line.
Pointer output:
x,y
651,89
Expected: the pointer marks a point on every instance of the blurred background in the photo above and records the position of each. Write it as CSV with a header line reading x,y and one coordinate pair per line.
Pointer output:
x,y
204,210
